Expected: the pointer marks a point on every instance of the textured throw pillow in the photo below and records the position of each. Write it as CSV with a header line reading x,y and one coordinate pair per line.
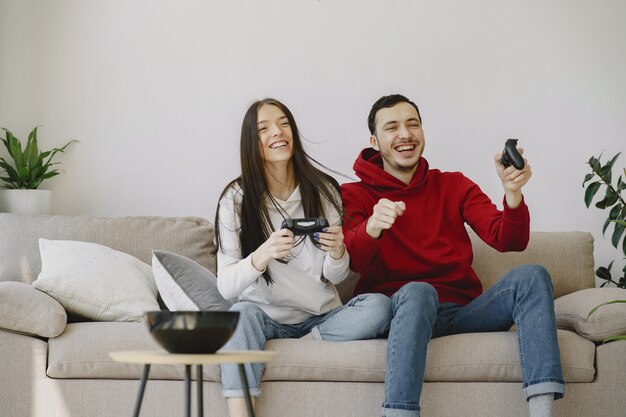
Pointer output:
x,y
609,320
23,309
185,284
96,281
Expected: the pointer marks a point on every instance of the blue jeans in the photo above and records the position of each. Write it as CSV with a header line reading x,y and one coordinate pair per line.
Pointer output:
x,y
523,297
366,316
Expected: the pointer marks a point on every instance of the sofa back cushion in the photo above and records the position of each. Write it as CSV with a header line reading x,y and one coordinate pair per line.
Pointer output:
x,y
138,236
568,256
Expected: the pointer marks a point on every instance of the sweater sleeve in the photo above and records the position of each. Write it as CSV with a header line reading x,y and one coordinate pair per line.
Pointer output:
x,y
234,274
506,230
335,270
362,247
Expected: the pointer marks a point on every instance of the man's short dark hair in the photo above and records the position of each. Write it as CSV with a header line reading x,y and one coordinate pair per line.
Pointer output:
x,y
384,103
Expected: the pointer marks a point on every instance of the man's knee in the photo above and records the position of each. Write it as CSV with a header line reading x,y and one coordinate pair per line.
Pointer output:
x,y
535,277
418,295
418,291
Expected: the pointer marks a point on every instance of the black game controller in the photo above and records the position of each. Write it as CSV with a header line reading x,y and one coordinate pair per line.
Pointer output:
x,y
301,227
510,155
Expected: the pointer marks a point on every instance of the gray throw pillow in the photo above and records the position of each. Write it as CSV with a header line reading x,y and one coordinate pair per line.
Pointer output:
x,y
185,285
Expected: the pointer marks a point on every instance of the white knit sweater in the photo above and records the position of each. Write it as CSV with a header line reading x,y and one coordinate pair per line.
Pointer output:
x,y
303,287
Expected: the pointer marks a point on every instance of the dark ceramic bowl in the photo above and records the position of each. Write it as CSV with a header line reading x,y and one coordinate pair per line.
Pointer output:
x,y
192,331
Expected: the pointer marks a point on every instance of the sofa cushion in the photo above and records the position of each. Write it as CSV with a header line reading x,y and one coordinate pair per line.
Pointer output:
x,y
96,281
82,352
26,310
480,357
138,236
185,284
572,313
568,256
494,357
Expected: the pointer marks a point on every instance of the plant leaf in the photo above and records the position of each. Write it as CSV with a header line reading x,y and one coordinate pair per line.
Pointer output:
x,y
610,197
594,164
604,272
588,177
8,168
32,149
606,174
617,234
593,310
612,161
15,150
591,192
613,338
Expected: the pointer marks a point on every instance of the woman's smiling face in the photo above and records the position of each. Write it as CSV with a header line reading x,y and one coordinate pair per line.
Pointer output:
x,y
275,135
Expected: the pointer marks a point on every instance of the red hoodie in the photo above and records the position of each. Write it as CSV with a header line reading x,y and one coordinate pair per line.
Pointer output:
x,y
429,242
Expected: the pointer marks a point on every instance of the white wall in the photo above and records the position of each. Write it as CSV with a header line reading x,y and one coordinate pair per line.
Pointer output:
x,y
155,90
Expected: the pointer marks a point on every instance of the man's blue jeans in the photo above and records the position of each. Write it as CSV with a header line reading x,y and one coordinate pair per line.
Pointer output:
x,y
523,297
366,316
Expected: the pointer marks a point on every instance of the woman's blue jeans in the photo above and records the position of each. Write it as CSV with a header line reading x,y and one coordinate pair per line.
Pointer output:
x,y
523,297
366,316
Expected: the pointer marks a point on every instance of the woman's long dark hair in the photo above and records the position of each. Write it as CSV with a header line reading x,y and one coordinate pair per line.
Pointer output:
x,y
315,185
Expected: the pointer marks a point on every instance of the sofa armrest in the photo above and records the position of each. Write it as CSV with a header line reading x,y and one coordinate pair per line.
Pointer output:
x,y
572,313
26,310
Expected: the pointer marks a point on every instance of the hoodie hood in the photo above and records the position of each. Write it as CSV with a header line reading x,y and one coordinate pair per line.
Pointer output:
x,y
369,168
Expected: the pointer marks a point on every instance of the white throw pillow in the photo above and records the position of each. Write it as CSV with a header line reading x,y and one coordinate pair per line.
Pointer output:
x,y
96,281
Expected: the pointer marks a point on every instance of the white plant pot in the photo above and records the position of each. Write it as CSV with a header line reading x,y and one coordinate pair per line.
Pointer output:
x,y
26,201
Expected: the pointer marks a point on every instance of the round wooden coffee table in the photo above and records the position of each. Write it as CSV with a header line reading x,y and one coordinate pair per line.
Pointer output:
x,y
161,357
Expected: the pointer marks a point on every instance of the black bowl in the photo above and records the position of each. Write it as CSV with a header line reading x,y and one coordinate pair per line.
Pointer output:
x,y
192,331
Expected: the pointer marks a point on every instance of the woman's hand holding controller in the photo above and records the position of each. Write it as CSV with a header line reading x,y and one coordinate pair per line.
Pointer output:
x,y
331,240
277,246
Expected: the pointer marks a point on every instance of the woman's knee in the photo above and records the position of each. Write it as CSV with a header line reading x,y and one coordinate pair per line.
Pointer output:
x,y
379,306
248,313
245,307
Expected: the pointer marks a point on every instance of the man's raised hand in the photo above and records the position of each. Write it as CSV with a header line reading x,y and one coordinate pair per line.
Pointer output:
x,y
384,216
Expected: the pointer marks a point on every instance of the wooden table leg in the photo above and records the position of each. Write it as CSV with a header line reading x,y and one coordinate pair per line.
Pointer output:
x,y
199,390
246,389
187,390
142,388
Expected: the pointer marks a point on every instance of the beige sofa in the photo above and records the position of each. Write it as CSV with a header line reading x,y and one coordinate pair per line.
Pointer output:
x,y
50,369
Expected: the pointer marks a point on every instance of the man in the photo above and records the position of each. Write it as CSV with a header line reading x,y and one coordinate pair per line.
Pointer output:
x,y
405,231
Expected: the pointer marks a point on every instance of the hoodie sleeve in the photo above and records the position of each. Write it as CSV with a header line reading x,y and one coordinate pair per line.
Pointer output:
x,y
361,246
507,230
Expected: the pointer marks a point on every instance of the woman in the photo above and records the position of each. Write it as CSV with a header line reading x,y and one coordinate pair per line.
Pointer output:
x,y
285,284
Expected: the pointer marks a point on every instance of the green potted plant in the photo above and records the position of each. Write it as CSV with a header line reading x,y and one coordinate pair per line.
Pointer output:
x,y
21,179
602,174
614,202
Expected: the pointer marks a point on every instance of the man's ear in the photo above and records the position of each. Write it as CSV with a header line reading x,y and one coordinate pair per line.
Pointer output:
x,y
374,142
